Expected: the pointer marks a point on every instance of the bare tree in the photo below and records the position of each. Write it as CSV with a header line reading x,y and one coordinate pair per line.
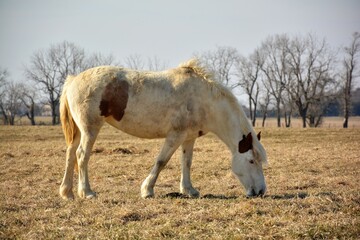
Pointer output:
x,y
3,76
9,98
350,63
275,69
69,59
221,62
135,61
319,105
49,69
288,107
264,106
3,88
10,102
248,72
98,59
310,63
28,97
155,64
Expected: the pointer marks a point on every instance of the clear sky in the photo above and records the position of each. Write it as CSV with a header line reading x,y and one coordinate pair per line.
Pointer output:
x,y
170,30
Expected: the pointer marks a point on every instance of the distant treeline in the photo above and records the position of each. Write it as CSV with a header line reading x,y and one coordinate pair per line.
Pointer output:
x,y
334,109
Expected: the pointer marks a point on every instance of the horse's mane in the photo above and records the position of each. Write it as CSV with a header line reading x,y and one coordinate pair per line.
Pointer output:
x,y
195,65
217,88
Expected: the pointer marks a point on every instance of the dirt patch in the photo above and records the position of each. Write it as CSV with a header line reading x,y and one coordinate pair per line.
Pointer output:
x,y
119,150
7,155
129,150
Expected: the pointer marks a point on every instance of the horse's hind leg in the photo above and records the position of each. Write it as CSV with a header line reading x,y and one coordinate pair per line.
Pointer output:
x,y
186,160
88,137
172,142
67,182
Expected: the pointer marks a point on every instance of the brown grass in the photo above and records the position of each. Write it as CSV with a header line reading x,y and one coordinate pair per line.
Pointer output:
x,y
313,189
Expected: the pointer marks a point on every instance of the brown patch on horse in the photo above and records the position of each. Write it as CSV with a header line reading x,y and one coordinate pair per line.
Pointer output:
x,y
245,144
114,99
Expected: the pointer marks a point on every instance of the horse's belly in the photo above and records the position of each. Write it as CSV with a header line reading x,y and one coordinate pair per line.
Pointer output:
x,y
144,130
143,125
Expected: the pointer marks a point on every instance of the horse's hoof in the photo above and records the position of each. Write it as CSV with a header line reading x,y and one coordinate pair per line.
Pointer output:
x,y
147,196
91,195
66,193
87,195
192,192
195,194
147,193
68,197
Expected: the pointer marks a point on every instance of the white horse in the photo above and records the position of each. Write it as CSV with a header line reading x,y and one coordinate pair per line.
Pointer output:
x,y
179,104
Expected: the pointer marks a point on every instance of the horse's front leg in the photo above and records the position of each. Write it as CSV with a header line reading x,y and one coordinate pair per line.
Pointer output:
x,y
172,142
186,160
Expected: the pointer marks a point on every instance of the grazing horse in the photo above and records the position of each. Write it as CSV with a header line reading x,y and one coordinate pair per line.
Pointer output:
x,y
179,104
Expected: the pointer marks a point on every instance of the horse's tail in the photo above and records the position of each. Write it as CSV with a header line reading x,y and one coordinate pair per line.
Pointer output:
x,y
69,127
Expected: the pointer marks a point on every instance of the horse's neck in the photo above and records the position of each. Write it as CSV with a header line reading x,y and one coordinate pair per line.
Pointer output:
x,y
230,124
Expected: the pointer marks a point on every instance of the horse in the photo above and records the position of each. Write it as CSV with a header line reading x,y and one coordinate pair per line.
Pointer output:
x,y
178,104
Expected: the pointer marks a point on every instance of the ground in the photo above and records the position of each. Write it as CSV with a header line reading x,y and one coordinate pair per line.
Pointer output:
x,y
312,179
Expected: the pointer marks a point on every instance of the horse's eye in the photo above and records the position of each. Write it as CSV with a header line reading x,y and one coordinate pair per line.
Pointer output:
x,y
251,161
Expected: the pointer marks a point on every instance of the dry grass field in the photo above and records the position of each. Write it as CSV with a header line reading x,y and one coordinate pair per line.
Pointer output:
x,y
313,188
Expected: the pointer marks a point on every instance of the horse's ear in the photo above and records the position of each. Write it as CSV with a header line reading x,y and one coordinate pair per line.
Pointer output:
x,y
259,135
245,144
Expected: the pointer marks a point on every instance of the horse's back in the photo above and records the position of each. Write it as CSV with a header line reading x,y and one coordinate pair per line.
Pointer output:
x,y
144,104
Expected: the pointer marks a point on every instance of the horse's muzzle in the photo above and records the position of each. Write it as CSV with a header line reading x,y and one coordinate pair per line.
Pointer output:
x,y
254,193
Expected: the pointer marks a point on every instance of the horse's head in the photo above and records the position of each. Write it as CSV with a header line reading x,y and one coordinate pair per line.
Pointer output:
x,y
247,165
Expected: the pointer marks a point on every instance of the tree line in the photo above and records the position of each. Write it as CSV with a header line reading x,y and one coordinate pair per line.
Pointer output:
x,y
294,76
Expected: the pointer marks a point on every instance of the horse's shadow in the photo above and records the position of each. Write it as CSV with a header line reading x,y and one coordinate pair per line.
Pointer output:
x,y
285,196
177,195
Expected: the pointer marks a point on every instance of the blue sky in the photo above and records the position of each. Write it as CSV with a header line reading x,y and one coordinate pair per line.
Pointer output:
x,y
170,30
